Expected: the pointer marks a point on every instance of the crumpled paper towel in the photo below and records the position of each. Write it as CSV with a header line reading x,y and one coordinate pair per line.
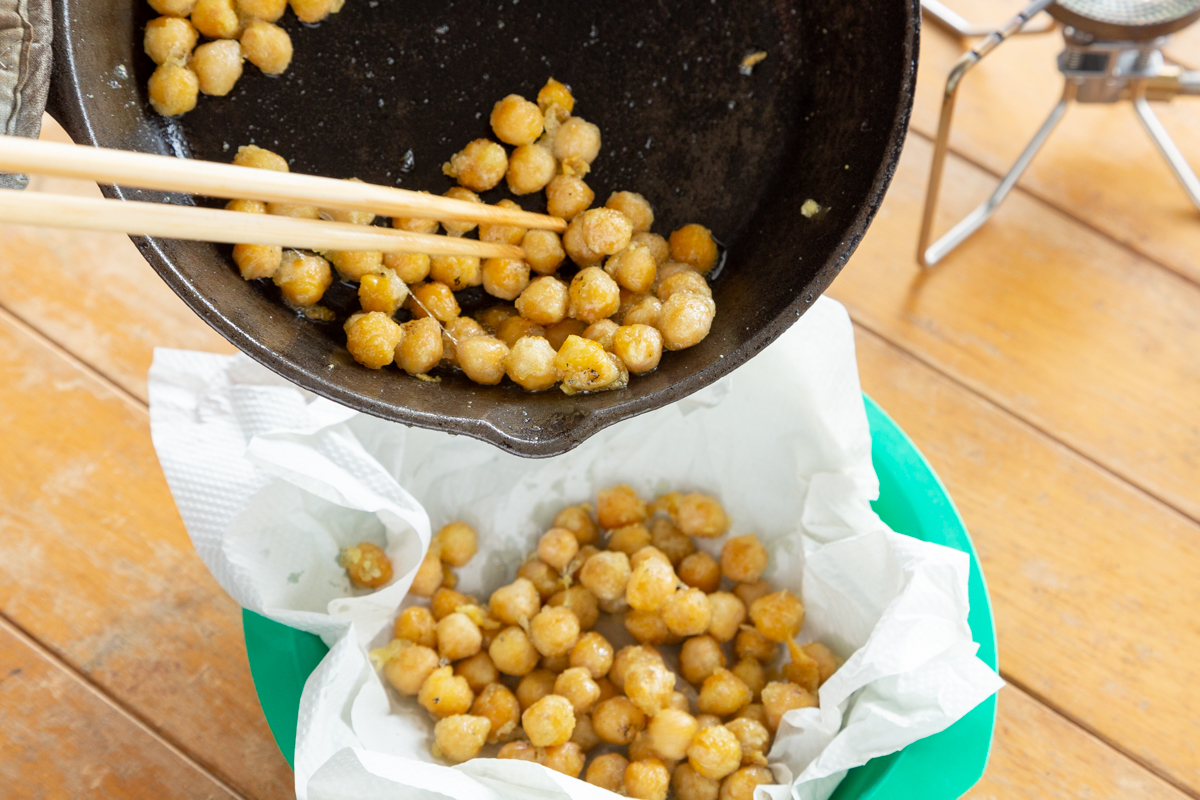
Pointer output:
x,y
272,482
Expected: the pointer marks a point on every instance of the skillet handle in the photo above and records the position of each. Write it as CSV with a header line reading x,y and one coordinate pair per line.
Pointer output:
x,y
26,32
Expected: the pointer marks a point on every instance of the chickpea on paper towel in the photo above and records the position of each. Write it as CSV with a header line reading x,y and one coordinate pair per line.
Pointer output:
x,y
273,483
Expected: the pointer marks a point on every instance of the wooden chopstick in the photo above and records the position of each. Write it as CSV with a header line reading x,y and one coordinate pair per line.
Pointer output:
x,y
166,173
229,227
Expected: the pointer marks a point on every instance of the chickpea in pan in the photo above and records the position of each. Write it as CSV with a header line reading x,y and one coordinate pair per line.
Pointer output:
x,y
169,40
173,89
267,46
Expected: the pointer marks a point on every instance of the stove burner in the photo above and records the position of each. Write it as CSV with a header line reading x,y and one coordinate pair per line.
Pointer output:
x,y
1131,20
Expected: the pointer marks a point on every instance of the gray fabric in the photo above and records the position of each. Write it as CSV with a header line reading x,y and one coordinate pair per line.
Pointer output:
x,y
25,35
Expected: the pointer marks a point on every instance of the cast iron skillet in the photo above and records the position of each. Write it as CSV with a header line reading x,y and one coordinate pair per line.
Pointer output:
x,y
387,90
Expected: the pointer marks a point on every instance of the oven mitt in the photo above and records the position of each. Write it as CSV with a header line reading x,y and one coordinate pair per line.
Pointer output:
x,y
25,34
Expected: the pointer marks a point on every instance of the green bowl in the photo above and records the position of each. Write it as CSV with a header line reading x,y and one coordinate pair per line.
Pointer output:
x,y
911,500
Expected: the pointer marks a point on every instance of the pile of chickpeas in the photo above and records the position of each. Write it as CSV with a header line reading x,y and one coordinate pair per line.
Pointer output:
x,y
238,30
634,293
527,674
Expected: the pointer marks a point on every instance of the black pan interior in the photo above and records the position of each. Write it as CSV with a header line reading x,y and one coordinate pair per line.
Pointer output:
x,y
387,91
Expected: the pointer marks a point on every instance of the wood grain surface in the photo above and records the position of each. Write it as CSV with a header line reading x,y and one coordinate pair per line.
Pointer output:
x,y
1050,370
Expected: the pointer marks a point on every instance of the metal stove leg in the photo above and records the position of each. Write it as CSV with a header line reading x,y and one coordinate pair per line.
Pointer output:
x,y
971,223
942,143
1167,146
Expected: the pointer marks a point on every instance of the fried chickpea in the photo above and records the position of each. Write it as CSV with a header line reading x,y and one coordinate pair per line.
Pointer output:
x,y
372,338
649,685
827,662
216,19
558,333
691,785
701,571
802,669
433,299
418,225
500,706
568,196
521,751
646,312
576,246
257,157
647,627
543,576
513,329
445,694
741,784
557,547
479,671
626,658
549,721
169,39
671,730
594,653
407,671
685,320
577,686
577,140
582,604
246,206
543,251
312,11
409,267
715,752
464,194
512,652
479,166
619,506
629,539
701,515
699,658
531,167
173,8
587,367
578,520
593,295
293,210
269,10
482,358
584,734
687,280
693,244
778,616
458,637
743,558
218,65
749,592
382,291
750,643
617,720
554,630
651,584
601,332
672,542
503,234
606,575
456,543
656,244
535,686
555,93
353,265
635,207
530,364
687,613
421,348
516,601
460,737
754,738
567,758
633,268
755,712
417,625
728,614
429,576
608,772
446,601
505,278
639,347
173,89
257,260
302,278
780,697
647,780
544,301
723,693
457,272
516,121
491,318
605,230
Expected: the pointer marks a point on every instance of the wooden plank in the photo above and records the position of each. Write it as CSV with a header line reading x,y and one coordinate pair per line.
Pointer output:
x,y
86,511
63,740
1038,754
1099,165
93,294
1047,318
1093,583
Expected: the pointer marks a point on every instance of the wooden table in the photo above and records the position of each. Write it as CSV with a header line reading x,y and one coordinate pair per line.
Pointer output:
x,y
1050,370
